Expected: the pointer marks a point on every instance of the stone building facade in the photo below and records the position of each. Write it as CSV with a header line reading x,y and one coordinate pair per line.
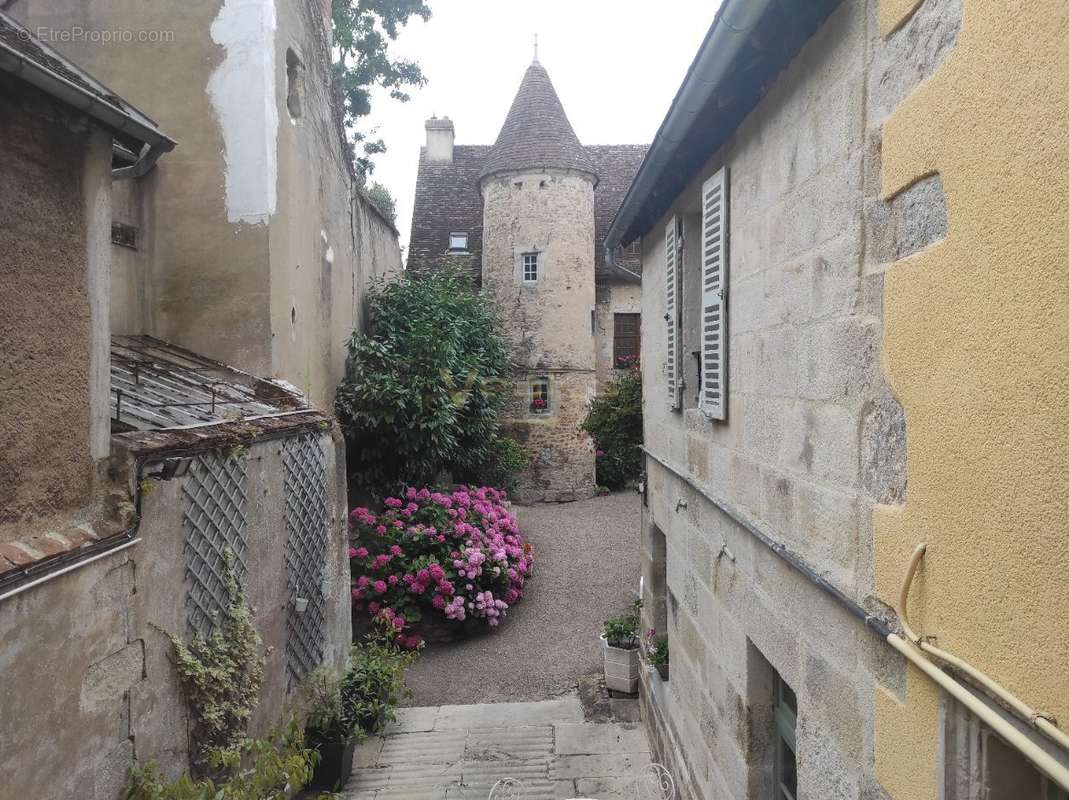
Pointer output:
x,y
132,465
253,243
527,219
792,464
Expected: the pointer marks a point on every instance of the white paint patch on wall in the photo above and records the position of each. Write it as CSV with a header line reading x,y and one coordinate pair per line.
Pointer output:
x,y
242,91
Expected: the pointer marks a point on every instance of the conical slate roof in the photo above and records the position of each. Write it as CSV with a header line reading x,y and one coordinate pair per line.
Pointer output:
x,y
536,133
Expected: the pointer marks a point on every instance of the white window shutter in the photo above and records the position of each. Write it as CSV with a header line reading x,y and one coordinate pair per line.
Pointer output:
x,y
672,308
714,345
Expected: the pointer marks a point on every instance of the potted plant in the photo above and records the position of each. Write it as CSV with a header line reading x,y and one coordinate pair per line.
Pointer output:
x,y
620,644
343,710
330,729
657,652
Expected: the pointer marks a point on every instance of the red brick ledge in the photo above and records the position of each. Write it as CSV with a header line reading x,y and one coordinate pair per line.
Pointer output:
x,y
37,554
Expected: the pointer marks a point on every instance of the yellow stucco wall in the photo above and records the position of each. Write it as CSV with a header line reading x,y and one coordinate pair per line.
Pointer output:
x,y
976,346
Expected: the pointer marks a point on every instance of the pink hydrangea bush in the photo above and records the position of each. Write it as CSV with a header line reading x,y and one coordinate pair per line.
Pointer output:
x,y
458,556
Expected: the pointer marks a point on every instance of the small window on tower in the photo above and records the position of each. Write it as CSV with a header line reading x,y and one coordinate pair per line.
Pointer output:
x,y
458,241
530,267
540,396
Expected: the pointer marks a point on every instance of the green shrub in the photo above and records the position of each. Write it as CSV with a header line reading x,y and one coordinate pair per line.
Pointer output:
x,y
424,387
363,699
221,676
622,631
656,648
614,421
274,769
507,460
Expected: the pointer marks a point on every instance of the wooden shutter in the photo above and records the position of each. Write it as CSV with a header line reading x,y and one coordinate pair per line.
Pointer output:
x,y
714,350
672,280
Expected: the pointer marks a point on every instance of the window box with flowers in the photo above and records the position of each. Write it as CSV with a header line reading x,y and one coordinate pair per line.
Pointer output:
x,y
540,396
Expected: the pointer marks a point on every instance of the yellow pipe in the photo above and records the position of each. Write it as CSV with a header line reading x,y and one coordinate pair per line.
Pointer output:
x,y
1032,751
1038,720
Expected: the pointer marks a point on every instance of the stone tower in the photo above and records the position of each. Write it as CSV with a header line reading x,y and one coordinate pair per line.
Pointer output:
x,y
537,184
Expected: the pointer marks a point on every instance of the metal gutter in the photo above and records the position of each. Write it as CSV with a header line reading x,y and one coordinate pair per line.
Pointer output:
x,y
108,114
1051,765
96,555
624,272
793,559
733,21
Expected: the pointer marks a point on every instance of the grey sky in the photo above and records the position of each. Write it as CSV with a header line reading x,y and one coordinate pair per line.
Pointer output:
x,y
616,66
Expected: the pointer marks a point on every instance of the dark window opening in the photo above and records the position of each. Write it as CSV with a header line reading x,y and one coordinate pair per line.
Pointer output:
x,y
626,339
124,235
785,713
294,78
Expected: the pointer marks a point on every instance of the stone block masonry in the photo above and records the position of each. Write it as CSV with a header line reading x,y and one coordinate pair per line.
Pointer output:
x,y
549,215
814,438
561,468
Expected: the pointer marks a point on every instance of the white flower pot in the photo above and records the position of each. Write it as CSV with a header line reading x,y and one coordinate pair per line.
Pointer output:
x,y
621,668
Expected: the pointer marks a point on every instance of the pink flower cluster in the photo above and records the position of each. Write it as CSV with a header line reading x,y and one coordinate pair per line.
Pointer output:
x,y
458,555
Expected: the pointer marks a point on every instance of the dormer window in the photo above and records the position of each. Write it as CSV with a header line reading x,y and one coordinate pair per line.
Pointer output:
x,y
458,241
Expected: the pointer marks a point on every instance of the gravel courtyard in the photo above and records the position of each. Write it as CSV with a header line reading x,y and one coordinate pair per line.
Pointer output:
x,y
586,569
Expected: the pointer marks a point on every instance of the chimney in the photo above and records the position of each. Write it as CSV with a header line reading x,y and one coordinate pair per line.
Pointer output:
x,y
440,140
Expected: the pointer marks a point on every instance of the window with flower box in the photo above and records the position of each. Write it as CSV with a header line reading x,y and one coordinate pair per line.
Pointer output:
x,y
540,396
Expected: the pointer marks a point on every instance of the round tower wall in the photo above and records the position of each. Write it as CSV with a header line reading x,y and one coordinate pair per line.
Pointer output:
x,y
548,214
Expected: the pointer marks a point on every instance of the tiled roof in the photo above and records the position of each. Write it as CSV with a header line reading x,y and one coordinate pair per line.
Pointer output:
x,y
448,200
615,165
536,133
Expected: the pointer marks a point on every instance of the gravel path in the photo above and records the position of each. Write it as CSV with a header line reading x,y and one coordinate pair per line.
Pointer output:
x,y
586,569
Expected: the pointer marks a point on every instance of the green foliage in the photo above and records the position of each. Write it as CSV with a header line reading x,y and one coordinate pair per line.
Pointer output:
x,y
507,460
362,701
423,389
221,675
275,769
657,650
614,421
383,200
622,631
363,31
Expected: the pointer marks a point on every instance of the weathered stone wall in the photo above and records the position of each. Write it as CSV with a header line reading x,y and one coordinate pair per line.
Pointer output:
x,y
613,298
326,239
551,322
813,438
87,683
562,456
131,267
261,245
54,190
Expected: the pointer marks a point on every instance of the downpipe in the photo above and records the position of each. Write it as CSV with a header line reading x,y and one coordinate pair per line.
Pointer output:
x,y
915,649
1042,722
